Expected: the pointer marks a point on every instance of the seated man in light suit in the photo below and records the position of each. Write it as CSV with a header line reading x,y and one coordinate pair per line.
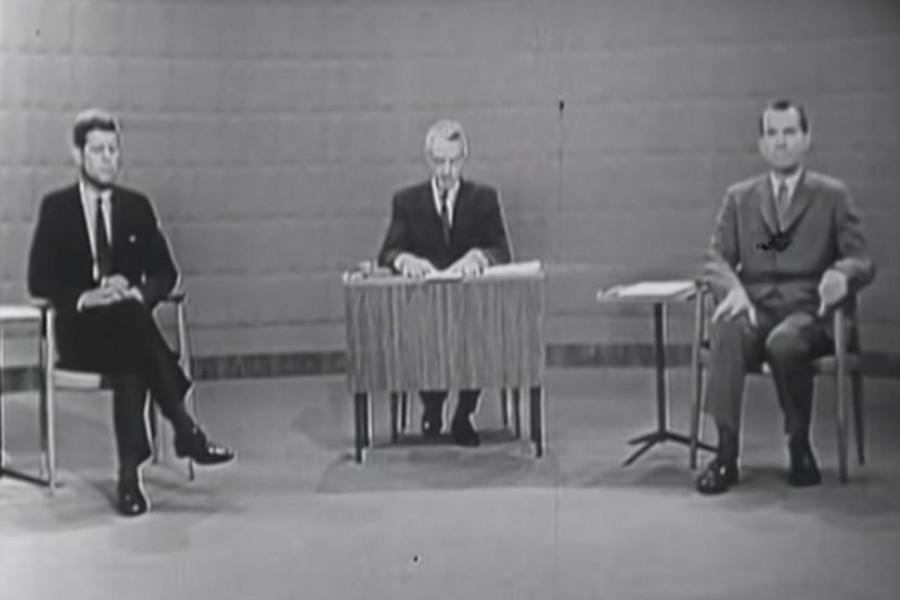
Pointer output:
x,y
788,245
446,224
99,256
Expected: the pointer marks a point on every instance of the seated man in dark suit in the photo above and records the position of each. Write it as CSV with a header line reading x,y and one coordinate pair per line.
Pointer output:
x,y
788,246
99,256
446,224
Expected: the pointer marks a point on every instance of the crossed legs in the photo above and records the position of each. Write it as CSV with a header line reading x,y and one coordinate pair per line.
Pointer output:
x,y
124,341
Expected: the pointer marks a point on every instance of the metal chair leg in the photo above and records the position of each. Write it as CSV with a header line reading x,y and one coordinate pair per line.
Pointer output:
x,y
856,381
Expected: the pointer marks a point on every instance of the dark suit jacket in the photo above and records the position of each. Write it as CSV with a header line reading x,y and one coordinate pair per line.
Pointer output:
x,y
416,228
825,232
60,265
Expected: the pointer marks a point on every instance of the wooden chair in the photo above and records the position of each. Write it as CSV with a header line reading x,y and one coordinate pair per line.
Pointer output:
x,y
844,363
89,381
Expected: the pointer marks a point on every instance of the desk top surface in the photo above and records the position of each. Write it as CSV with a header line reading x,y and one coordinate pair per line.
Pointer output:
x,y
362,280
651,292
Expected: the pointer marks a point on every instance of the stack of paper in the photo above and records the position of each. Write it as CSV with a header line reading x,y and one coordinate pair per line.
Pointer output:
x,y
531,267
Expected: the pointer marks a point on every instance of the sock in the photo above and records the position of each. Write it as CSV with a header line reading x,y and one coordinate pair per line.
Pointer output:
x,y
728,444
128,472
183,424
799,440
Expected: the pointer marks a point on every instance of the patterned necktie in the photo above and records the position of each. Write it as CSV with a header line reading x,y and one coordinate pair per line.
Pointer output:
x,y
101,242
782,202
445,215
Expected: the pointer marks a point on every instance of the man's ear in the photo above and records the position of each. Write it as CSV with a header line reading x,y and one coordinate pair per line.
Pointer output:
x,y
77,154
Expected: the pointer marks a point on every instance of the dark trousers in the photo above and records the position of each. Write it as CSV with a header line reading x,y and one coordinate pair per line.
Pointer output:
x,y
433,400
787,342
123,341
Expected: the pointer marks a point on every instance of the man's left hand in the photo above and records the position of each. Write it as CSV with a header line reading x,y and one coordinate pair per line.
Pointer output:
x,y
124,289
832,289
472,263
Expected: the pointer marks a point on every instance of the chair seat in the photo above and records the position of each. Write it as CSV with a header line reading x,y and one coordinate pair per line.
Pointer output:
x,y
821,366
80,380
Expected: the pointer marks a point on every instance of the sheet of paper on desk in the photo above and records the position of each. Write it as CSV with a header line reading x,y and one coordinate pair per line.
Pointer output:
x,y
531,267
444,276
650,289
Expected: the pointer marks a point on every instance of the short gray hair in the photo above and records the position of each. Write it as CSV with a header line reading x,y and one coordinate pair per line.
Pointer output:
x,y
446,129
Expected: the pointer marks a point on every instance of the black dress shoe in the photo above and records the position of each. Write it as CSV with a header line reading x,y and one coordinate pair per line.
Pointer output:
x,y
464,434
198,448
803,471
718,476
131,499
432,423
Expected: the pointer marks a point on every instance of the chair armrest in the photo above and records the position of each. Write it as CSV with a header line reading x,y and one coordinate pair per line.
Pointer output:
x,y
41,303
177,296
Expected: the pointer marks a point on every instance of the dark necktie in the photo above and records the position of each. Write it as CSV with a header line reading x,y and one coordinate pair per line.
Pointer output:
x,y
782,202
101,241
445,216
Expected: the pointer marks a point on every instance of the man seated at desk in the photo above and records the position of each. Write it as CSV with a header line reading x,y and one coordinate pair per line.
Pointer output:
x,y
446,224
788,246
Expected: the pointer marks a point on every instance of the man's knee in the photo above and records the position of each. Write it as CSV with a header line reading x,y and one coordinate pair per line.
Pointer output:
x,y
786,345
729,334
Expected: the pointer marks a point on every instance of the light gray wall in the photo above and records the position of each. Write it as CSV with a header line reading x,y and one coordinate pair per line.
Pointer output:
x,y
272,134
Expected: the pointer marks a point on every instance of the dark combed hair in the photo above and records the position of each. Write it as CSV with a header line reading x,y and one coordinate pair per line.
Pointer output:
x,y
782,105
83,126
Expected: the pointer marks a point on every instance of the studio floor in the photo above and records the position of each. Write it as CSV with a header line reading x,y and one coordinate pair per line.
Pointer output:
x,y
295,517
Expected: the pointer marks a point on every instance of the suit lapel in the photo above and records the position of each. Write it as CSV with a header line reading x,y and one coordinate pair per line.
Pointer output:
x,y
461,212
77,218
803,196
115,219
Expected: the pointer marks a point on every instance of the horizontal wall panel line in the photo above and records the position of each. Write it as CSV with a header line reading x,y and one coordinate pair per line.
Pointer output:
x,y
299,364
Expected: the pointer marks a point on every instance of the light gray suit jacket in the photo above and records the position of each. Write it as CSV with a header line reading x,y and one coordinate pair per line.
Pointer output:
x,y
824,229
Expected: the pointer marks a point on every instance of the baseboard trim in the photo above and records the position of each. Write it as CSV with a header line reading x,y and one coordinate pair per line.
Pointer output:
x,y
302,364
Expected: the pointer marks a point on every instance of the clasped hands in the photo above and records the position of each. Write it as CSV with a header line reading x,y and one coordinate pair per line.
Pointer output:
x,y
470,264
832,289
112,289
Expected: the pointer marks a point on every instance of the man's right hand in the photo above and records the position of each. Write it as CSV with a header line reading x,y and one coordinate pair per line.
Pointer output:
x,y
100,296
410,265
111,290
735,303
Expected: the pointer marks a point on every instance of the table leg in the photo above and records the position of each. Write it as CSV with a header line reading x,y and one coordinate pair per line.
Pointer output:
x,y
662,433
47,474
404,411
395,412
517,412
360,400
1,402
536,413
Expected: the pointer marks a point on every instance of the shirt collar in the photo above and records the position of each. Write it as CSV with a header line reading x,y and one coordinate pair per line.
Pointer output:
x,y
791,181
89,195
